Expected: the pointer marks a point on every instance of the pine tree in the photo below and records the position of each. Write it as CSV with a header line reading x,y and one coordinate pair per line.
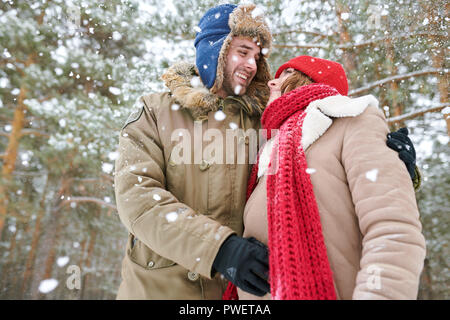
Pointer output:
x,y
71,71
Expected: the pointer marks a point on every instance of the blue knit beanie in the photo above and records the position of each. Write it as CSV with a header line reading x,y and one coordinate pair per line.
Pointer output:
x,y
209,39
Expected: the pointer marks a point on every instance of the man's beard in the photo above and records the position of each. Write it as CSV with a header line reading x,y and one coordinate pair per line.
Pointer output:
x,y
228,88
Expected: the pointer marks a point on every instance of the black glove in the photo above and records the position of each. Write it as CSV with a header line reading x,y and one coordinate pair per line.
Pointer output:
x,y
244,262
400,142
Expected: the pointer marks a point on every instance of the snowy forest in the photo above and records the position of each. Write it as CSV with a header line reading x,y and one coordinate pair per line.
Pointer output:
x,y
71,71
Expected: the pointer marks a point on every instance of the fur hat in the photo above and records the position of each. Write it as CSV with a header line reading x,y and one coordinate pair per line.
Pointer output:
x,y
217,28
319,70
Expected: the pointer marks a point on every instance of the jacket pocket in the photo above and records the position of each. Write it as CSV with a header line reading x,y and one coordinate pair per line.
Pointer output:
x,y
176,176
144,257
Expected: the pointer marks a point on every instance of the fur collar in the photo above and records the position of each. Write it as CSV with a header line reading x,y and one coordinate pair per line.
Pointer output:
x,y
186,87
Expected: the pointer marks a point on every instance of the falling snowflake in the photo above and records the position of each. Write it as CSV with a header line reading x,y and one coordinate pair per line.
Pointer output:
x,y
196,82
48,285
257,12
113,155
345,15
171,216
116,36
157,197
115,91
107,167
62,261
372,175
220,115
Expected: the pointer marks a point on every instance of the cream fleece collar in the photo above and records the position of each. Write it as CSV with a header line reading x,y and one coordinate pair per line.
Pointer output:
x,y
318,119
319,114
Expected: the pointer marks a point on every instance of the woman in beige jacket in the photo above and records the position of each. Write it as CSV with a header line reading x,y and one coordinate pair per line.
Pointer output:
x,y
368,243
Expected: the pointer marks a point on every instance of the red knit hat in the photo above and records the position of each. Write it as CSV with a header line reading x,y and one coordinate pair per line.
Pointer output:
x,y
320,70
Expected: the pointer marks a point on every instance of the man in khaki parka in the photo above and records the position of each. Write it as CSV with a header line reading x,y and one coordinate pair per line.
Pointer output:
x,y
179,214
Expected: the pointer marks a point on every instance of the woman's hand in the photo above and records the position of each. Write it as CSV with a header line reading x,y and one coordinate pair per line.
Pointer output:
x,y
400,142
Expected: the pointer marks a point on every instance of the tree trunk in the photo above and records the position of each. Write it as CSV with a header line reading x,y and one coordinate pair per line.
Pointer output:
x,y
396,107
9,159
34,242
7,272
88,262
349,57
426,292
46,256
10,156
439,50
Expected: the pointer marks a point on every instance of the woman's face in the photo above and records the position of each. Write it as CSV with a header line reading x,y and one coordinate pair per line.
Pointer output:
x,y
275,84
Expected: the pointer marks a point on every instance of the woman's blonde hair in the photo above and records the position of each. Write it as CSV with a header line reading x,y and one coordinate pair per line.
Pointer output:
x,y
295,80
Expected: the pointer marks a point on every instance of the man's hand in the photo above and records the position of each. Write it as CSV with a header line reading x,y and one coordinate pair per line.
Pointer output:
x,y
244,262
400,142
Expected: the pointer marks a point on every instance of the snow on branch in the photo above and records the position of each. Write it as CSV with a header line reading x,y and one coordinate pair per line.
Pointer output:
x,y
418,113
107,177
348,46
393,37
30,174
27,132
301,46
86,199
397,78
314,33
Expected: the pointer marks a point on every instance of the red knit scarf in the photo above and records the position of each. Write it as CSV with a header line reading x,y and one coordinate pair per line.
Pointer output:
x,y
298,262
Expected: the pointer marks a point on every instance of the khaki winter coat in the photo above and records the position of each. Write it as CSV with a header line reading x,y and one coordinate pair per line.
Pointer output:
x,y
365,197
179,213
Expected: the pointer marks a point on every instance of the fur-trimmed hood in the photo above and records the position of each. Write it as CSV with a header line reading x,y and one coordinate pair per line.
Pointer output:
x,y
184,83
186,86
246,21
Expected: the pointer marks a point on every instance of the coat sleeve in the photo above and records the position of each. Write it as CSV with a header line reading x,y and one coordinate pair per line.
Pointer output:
x,y
150,212
393,247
